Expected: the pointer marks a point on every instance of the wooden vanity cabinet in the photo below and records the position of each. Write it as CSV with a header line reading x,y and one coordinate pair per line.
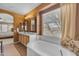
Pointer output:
x,y
20,37
23,39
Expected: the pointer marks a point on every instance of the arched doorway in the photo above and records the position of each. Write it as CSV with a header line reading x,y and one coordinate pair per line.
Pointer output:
x,y
6,25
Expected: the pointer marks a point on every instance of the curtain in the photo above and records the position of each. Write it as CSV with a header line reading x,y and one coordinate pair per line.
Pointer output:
x,y
68,14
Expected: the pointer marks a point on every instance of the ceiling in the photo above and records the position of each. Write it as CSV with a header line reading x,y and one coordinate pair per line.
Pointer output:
x,y
21,8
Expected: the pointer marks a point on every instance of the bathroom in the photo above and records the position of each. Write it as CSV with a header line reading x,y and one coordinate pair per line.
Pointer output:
x,y
46,30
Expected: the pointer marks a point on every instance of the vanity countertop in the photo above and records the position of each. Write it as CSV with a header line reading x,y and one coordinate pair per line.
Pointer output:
x,y
32,35
27,33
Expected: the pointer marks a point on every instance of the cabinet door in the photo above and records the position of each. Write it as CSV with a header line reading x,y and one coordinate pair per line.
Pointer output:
x,y
25,40
20,37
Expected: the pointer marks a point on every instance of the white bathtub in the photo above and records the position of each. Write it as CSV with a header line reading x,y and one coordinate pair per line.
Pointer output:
x,y
42,48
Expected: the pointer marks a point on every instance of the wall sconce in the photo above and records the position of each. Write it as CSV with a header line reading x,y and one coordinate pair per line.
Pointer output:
x,y
17,29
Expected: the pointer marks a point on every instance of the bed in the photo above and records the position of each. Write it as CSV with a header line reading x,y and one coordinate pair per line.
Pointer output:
x,y
6,35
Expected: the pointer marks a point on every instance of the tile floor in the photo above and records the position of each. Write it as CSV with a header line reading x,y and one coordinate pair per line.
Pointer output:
x,y
9,48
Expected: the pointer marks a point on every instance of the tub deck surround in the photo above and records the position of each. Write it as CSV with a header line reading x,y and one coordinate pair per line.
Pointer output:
x,y
47,49
27,33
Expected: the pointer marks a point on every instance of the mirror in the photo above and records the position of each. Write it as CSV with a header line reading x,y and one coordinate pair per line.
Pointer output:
x,y
33,24
21,27
25,26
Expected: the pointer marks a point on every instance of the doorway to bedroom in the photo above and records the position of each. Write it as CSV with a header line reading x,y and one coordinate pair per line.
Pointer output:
x,y
6,28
